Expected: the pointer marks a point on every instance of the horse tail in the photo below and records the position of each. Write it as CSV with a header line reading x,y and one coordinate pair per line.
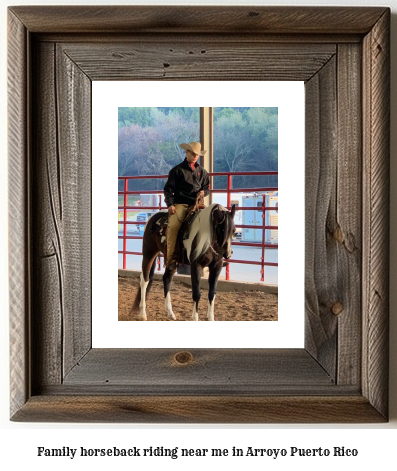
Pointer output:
x,y
137,301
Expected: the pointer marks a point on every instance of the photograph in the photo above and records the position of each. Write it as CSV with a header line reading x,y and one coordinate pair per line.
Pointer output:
x,y
199,239
206,212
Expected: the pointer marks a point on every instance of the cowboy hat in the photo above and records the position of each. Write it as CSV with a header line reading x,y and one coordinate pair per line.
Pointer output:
x,y
194,147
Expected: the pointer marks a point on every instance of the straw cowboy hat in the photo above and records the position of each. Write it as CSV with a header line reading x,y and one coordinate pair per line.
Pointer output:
x,y
194,147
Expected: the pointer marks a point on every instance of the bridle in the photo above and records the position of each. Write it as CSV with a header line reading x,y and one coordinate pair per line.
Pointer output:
x,y
219,223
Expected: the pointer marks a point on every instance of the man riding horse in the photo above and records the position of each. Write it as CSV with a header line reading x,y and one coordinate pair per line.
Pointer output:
x,y
206,244
187,183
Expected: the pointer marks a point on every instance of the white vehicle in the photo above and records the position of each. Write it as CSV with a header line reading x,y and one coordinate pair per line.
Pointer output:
x,y
221,198
271,235
253,217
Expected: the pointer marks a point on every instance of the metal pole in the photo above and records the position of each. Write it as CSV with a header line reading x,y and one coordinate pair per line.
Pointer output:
x,y
229,186
159,256
125,225
206,131
263,236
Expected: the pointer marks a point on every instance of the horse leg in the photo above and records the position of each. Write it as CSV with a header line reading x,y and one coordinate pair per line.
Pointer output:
x,y
142,305
148,267
167,281
215,271
196,278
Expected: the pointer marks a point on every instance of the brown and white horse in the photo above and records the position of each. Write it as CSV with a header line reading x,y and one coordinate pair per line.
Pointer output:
x,y
207,245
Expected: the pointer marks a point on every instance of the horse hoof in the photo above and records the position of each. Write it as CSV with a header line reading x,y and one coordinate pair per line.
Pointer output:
x,y
171,316
141,318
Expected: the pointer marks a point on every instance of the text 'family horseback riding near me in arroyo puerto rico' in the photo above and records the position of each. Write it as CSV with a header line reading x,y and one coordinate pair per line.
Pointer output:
x,y
177,452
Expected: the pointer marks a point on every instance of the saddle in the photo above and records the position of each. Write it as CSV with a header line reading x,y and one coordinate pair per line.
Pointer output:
x,y
161,228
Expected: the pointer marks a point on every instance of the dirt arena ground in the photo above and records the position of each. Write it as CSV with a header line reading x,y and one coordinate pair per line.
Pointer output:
x,y
229,306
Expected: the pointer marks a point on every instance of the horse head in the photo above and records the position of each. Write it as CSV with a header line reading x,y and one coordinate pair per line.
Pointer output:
x,y
224,229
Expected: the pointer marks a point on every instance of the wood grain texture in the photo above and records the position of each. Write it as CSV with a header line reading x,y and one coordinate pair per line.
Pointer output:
x,y
47,316
73,90
198,19
62,207
208,409
19,227
347,226
376,92
243,38
346,261
321,277
205,370
187,58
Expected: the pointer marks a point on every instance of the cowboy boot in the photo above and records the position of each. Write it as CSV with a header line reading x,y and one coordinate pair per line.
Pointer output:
x,y
172,265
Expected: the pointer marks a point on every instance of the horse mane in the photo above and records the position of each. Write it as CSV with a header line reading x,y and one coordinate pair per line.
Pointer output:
x,y
228,226
202,231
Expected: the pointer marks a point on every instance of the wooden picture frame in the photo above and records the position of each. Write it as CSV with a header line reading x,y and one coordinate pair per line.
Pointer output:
x,y
342,54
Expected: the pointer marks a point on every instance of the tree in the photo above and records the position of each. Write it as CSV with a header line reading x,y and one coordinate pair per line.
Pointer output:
x,y
246,139
174,129
134,115
153,149
134,144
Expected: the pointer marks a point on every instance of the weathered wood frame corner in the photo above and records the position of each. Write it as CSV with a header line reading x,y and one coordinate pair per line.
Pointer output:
x,y
342,54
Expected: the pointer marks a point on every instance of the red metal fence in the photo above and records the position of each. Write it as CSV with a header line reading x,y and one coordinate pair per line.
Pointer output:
x,y
229,190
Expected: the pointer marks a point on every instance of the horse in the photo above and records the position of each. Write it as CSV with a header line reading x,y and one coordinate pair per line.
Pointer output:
x,y
207,243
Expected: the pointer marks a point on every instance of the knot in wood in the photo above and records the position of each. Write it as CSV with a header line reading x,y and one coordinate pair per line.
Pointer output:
x,y
183,358
337,308
338,235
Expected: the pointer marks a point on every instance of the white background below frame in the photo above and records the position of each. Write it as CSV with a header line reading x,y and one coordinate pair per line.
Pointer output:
x,y
107,331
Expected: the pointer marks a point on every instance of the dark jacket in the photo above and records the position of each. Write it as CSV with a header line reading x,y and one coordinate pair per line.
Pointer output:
x,y
183,184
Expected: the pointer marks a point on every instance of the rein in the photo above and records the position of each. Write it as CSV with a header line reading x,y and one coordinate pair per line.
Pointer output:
x,y
197,206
